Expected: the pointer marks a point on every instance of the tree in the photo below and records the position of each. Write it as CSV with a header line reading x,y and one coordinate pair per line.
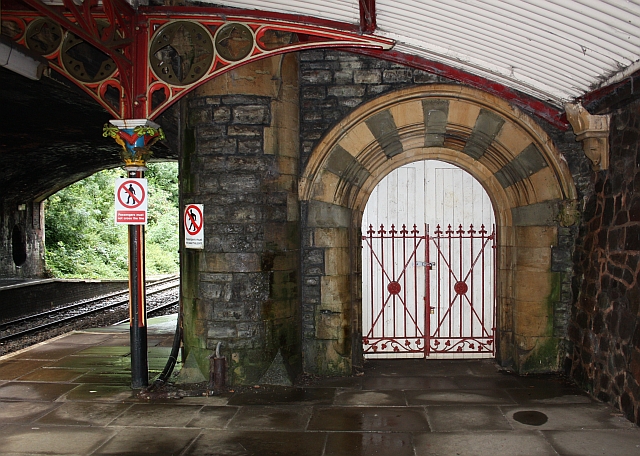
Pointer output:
x,y
82,239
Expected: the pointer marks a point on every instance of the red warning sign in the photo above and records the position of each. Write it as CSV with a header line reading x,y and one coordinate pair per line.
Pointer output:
x,y
131,201
193,226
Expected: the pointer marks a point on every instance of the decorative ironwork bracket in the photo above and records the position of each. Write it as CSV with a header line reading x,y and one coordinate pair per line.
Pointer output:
x,y
136,63
593,132
136,136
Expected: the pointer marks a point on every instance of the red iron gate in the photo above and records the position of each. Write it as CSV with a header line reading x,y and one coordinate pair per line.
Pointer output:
x,y
451,273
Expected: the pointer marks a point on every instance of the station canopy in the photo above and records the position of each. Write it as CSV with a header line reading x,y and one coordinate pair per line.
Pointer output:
x,y
555,51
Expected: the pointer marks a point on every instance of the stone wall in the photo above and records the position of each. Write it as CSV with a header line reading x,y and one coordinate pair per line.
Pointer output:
x,y
335,83
332,83
22,240
239,159
34,296
605,320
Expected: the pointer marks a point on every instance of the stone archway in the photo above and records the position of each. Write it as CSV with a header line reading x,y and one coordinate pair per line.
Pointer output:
x,y
525,176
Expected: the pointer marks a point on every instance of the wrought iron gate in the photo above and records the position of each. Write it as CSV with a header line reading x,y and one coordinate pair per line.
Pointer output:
x,y
450,273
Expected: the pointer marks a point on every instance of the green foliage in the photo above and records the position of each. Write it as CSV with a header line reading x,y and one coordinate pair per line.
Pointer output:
x,y
82,239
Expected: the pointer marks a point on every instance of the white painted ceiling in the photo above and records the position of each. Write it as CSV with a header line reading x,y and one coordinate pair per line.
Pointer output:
x,y
555,50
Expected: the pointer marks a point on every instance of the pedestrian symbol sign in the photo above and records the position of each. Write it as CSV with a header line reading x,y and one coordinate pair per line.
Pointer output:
x,y
193,226
131,201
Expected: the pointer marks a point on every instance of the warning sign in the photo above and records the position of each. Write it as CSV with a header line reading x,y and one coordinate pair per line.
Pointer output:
x,y
193,226
131,201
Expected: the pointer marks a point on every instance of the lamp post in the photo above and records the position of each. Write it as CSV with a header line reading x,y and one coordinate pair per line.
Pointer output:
x,y
136,137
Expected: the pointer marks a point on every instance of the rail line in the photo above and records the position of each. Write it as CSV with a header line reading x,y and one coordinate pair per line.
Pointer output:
x,y
43,321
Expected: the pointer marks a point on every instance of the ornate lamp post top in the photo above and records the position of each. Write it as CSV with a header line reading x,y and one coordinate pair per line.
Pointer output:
x,y
136,136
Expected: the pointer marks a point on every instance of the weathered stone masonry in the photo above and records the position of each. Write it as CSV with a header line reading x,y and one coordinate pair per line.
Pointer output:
x,y
332,85
605,320
240,160
22,237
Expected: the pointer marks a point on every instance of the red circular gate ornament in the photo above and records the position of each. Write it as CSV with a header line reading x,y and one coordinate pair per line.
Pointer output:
x,y
394,288
460,288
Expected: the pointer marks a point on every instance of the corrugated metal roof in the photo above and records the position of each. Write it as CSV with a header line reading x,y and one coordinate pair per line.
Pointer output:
x,y
555,50
334,10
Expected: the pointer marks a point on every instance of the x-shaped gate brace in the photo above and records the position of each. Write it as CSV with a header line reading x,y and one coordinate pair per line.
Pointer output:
x,y
393,283
137,62
428,338
463,289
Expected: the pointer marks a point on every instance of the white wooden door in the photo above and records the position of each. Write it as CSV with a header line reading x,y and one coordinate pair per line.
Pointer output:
x,y
426,193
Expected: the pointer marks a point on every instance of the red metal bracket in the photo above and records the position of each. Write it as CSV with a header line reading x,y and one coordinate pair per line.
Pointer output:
x,y
141,87
136,90
368,16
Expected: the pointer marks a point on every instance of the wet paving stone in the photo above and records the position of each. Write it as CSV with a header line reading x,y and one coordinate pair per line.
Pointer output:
x,y
461,397
109,378
166,341
258,443
213,417
547,381
13,369
34,440
159,415
33,391
338,382
408,383
430,368
370,398
399,368
368,443
46,374
83,414
411,407
104,393
487,383
509,443
159,352
49,352
149,441
283,395
274,418
469,418
85,338
385,419
23,412
116,340
114,363
551,394
105,351
596,443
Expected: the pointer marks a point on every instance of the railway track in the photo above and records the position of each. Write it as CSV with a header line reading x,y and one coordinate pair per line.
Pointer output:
x,y
102,311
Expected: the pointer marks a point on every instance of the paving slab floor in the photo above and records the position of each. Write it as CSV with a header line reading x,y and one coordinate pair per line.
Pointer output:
x,y
71,396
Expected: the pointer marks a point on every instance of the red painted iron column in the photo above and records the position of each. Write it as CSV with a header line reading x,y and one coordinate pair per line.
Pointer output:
x,y
136,137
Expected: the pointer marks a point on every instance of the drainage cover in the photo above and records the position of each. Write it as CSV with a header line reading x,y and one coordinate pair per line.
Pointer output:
x,y
530,417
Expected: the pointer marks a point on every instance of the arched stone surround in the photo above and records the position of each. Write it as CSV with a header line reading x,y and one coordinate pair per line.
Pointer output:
x,y
525,176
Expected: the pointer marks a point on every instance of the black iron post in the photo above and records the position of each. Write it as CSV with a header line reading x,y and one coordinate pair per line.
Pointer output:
x,y
136,136
137,302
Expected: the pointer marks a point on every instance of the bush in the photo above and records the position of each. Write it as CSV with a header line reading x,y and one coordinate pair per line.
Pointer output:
x,y
82,240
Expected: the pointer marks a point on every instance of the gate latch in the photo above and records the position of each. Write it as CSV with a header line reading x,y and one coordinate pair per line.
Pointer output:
x,y
425,264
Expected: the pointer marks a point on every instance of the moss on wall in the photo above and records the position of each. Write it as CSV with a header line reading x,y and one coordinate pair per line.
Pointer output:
x,y
545,355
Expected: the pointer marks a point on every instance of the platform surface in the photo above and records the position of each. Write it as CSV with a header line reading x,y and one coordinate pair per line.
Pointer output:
x,y
71,396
